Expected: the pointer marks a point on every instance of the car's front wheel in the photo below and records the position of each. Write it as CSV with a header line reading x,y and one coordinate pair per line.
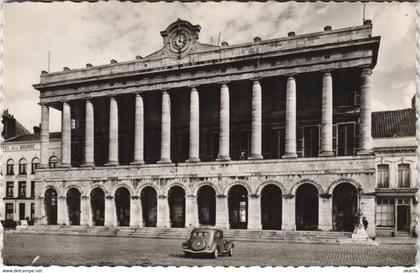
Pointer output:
x,y
215,253
230,252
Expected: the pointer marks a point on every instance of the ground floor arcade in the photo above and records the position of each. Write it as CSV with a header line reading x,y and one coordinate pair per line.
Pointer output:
x,y
305,207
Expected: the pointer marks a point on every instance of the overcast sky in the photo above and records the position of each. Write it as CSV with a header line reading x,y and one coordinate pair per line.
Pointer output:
x,y
95,33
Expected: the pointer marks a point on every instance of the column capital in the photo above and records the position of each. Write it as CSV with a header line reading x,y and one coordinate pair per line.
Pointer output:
x,y
134,197
325,195
366,70
288,196
193,87
162,196
326,71
253,195
109,197
291,76
85,197
43,103
191,196
222,83
221,196
256,80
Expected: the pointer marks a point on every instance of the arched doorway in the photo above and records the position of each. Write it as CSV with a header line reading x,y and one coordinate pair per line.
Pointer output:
x,y
307,207
122,204
238,207
344,207
149,206
271,207
73,206
97,203
176,201
206,200
51,206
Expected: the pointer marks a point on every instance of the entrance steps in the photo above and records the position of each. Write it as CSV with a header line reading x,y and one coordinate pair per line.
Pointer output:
x,y
318,237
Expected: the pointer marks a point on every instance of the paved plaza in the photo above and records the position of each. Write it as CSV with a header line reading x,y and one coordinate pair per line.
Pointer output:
x,y
21,249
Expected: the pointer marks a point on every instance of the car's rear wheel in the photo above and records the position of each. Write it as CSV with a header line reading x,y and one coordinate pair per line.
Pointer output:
x,y
230,252
215,253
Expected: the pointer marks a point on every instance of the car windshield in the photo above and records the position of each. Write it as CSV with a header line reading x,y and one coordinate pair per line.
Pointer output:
x,y
199,234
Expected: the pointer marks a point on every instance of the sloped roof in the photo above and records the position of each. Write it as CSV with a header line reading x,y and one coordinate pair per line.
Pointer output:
x,y
29,137
396,123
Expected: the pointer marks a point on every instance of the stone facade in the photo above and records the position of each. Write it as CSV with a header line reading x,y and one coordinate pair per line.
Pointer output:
x,y
198,134
21,158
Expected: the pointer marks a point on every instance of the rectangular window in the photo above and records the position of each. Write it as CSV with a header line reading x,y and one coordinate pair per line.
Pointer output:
x,y
345,139
22,189
385,212
383,176
278,142
9,189
9,211
32,188
403,175
310,141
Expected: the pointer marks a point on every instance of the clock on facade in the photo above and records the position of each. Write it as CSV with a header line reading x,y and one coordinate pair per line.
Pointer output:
x,y
179,41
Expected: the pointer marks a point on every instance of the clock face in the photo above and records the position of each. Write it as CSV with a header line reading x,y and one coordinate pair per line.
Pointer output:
x,y
179,41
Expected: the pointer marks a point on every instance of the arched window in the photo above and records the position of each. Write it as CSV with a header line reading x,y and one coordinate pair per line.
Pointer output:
x,y
53,162
403,175
22,166
35,164
10,167
383,176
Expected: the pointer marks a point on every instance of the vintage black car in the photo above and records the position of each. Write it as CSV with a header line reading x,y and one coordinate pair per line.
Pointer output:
x,y
207,241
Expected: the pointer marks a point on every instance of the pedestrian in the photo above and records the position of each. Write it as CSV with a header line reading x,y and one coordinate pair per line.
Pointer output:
x,y
365,222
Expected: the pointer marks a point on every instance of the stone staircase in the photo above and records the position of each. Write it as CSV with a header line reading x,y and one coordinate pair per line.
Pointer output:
x,y
317,237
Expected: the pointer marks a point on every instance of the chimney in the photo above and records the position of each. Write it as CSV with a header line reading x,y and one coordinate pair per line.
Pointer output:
x,y
37,130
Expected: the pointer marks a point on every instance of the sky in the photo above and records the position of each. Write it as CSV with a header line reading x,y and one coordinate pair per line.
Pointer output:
x,y
80,33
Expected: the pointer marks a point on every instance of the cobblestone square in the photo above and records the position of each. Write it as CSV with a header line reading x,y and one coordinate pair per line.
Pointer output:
x,y
65,250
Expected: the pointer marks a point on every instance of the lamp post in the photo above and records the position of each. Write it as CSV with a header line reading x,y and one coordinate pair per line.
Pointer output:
x,y
359,229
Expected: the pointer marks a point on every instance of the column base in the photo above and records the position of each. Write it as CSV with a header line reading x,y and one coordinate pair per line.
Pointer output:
x,y
365,152
287,227
193,160
112,163
164,160
326,154
289,156
137,162
88,165
223,158
325,228
65,165
255,156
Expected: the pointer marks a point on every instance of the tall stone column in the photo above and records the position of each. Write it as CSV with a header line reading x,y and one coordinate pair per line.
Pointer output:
x,y
109,211
367,205
191,210
254,212
325,212
65,135
224,123
162,211
84,210
327,116
45,135
365,112
194,151
139,131
222,212
256,123
289,213
89,134
290,151
62,218
134,211
165,146
113,132
40,215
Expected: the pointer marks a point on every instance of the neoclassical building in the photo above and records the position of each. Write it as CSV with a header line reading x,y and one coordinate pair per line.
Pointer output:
x,y
268,134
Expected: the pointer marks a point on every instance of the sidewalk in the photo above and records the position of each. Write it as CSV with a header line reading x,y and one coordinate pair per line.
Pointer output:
x,y
396,240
